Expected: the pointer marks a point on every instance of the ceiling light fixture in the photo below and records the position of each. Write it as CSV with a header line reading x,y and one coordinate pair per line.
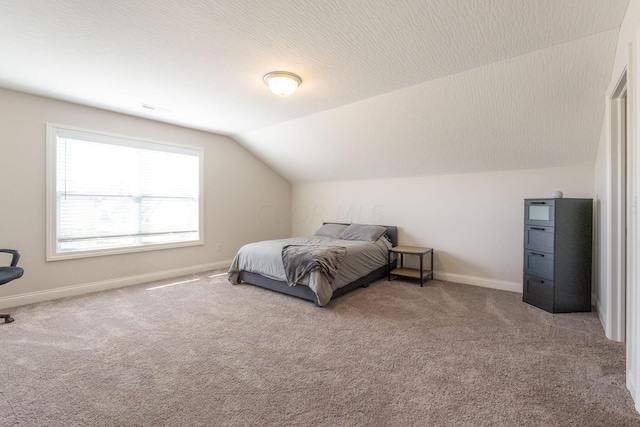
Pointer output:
x,y
282,83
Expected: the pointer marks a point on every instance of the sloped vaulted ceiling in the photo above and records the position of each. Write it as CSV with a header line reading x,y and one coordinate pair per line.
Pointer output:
x,y
390,87
542,109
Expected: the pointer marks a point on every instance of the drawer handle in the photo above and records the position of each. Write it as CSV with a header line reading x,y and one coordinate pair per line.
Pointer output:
x,y
538,203
536,254
538,228
537,281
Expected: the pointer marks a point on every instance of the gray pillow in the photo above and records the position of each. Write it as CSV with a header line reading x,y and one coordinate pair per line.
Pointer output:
x,y
368,233
330,230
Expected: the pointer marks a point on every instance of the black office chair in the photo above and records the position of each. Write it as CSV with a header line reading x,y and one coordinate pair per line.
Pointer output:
x,y
10,273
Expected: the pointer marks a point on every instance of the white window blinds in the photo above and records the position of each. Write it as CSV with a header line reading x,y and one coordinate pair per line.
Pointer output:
x,y
115,193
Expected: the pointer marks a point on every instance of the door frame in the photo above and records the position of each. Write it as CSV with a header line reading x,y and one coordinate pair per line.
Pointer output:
x,y
615,325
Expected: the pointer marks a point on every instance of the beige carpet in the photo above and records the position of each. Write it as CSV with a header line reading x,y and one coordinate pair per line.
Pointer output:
x,y
207,353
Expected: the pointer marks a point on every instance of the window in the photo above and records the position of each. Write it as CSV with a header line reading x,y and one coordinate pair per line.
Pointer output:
x,y
111,194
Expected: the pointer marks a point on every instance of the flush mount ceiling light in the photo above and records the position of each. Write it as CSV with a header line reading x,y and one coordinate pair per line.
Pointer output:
x,y
282,83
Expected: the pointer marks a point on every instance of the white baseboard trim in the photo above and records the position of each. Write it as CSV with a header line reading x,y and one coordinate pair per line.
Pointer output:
x,y
631,386
602,315
502,285
70,291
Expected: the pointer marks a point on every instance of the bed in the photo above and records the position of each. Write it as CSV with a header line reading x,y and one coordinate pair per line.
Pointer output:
x,y
337,259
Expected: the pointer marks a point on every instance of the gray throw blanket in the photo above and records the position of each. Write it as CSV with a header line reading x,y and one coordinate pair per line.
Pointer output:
x,y
300,260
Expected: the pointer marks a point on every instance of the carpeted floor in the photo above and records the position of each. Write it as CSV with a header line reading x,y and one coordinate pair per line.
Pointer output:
x,y
207,353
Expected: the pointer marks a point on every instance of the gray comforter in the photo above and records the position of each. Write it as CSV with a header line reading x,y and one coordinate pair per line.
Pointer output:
x,y
265,258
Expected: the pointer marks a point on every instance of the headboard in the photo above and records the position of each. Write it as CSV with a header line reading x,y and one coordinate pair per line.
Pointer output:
x,y
392,230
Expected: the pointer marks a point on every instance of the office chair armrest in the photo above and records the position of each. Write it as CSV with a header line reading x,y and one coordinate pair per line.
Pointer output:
x,y
16,256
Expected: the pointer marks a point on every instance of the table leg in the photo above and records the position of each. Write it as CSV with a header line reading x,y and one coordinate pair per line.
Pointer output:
x,y
431,266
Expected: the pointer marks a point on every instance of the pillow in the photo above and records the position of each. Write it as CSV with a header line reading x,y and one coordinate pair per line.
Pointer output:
x,y
368,233
330,230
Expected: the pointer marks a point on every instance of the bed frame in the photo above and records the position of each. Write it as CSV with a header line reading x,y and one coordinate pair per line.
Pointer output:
x,y
305,292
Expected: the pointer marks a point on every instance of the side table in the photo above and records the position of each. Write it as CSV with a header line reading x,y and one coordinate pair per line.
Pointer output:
x,y
413,273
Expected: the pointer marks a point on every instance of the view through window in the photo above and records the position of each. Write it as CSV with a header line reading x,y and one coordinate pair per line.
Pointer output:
x,y
115,194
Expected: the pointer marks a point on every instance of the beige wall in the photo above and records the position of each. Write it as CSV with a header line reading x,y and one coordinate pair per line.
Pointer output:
x,y
601,233
628,29
605,200
618,301
239,191
474,221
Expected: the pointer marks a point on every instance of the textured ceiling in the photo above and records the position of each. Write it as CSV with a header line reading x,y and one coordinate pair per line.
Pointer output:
x,y
390,87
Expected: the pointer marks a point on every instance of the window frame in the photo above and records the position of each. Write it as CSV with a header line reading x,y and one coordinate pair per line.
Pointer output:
x,y
52,132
